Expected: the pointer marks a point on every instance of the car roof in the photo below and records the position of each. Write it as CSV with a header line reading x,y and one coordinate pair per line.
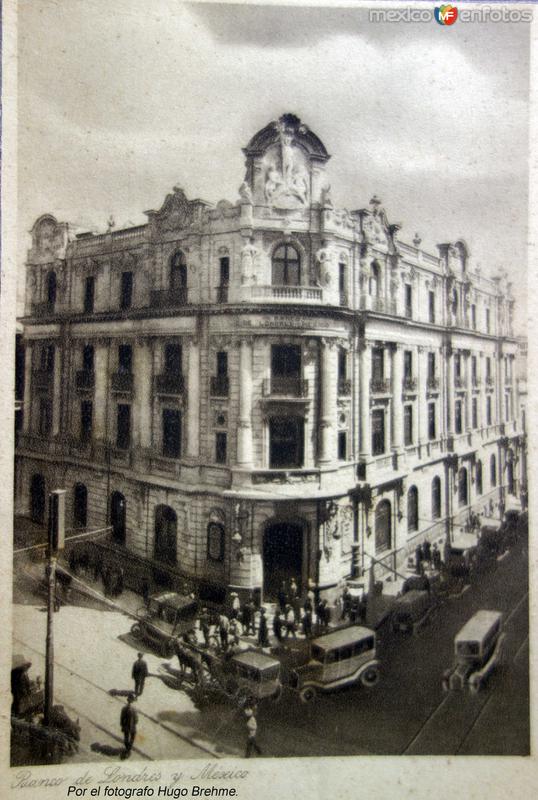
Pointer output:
x,y
343,636
251,658
476,628
172,599
410,597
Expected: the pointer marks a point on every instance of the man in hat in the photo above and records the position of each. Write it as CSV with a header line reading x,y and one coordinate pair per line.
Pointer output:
x,y
252,730
128,722
248,617
263,638
139,674
290,621
236,605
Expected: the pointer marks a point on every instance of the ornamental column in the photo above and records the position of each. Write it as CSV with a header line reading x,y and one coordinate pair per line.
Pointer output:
x,y
468,392
450,391
143,393
397,405
422,402
327,410
56,390
365,374
193,400
100,392
244,422
27,407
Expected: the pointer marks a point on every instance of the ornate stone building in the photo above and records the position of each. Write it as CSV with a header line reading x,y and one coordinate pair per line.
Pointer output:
x,y
265,388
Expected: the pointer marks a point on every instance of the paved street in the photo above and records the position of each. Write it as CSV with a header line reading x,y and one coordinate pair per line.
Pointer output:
x,y
406,713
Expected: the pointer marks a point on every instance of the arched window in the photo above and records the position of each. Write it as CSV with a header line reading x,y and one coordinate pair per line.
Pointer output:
x,y
436,497
286,266
375,277
493,471
383,525
479,484
165,546
118,511
178,273
215,541
80,506
51,288
463,487
412,509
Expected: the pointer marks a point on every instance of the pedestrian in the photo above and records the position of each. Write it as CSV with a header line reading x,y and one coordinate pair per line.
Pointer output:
x,y
311,593
290,621
205,626
282,597
293,589
296,605
236,605
263,637
436,558
128,722
224,627
307,623
418,558
326,614
252,730
139,674
236,629
346,603
248,617
427,550
277,626
363,608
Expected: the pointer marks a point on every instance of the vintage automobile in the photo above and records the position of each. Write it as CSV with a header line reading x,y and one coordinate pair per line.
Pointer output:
x,y
478,649
462,555
28,694
167,616
253,676
337,659
412,610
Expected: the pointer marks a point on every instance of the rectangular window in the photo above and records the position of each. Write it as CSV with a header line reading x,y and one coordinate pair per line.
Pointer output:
x,y
408,364
222,363
473,316
126,297
408,300
224,270
431,306
47,358
171,433
488,410
342,365
88,358
378,367
431,366
342,445
342,278
45,416
86,419
431,422
125,358
286,442
458,421
221,447
474,413
507,407
488,321
474,373
378,431
457,365
172,359
286,369
89,294
408,425
488,368
123,430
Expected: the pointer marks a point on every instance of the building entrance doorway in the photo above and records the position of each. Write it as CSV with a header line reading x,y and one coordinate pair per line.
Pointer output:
x,y
282,556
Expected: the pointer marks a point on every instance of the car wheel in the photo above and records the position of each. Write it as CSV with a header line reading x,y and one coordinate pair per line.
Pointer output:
x,y
370,676
307,694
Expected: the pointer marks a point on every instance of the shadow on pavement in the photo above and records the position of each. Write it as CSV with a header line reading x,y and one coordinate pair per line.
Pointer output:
x,y
107,750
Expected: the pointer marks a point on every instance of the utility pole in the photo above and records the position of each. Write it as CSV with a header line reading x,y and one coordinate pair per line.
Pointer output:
x,y
56,543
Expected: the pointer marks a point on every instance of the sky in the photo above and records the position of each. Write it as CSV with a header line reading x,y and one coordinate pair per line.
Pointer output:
x,y
120,101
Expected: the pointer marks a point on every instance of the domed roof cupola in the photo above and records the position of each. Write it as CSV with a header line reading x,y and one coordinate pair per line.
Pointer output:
x,y
285,165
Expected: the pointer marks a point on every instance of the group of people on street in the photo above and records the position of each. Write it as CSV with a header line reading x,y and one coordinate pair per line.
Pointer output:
x,y
426,554
92,565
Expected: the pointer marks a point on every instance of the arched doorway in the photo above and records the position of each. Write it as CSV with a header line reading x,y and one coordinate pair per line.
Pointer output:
x,y
80,506
118,509
165,545
463,488
282,556
37,499
383,526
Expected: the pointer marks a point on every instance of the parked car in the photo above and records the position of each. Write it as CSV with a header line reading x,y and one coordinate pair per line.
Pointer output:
x,y
337,659
462,555
478,649
167,616
253,676
412,610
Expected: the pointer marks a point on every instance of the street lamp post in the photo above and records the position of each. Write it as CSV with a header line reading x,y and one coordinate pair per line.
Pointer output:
x,y
56,539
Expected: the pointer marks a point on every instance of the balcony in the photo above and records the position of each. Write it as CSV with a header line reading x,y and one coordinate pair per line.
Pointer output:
x,y
459,382
432,384
222,294
169,298
380,386
344,387
285,387
122,382
42,379
219,386
409,384
290,294
84,379
169,383
45,309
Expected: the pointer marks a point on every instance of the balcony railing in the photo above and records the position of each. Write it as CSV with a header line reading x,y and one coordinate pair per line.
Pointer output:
x,y
303,294
459,382
219,386
344,387
169,298
285,387
222,294
380,386
84,379
42,379
433,384
169,383
410,384
122,382
43,309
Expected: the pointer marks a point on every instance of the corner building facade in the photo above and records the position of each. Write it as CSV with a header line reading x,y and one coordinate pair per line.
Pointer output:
x,y
266,388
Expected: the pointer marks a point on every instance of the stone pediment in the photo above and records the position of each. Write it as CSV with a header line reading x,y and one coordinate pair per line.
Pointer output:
x,y
49,239
176,213
375,225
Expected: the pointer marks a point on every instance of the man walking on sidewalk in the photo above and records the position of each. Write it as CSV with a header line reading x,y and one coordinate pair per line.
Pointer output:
x,y
128,722
252,730
139,674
